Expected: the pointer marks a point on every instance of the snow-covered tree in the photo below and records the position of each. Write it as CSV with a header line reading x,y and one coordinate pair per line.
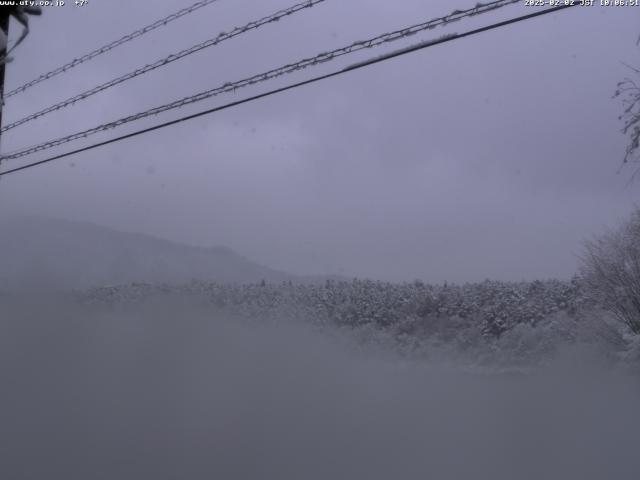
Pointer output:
x,y
611,271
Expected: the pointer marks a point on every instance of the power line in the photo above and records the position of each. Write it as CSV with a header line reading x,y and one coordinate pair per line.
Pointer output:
x,y
165,61
110,46
4,32
271,74
397,53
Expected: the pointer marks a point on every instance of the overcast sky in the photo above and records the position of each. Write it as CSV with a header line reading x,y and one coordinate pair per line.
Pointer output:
x,y
492,156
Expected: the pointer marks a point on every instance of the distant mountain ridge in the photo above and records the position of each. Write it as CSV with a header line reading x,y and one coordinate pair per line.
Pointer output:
x,y
46,252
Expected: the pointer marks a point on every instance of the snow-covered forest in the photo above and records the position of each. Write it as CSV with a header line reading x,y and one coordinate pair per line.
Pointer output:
x,y
490,324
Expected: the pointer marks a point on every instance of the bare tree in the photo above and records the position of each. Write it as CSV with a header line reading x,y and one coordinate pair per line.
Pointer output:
x,y
21,14
611,271
629,91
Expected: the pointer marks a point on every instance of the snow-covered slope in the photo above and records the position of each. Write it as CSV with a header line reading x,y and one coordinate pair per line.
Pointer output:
x,y
47,252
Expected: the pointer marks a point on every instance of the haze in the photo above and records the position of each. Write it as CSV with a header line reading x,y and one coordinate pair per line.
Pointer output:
x,y
488,157
164,392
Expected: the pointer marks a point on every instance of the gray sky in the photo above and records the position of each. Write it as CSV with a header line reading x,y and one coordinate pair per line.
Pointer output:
x,y
487,157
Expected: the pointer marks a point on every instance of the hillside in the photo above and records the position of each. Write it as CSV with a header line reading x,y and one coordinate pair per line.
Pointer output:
x,y
44,252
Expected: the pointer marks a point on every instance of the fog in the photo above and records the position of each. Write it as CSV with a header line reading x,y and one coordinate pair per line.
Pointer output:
x,y
488,157
295,288
164,391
